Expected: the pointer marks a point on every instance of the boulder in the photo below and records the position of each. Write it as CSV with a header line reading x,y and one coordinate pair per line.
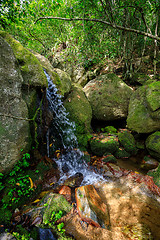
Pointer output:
x,y
155,173
109,97
153,145
91,207
103,144
50,203
79,109
22,85
149,163
14,129
127,207
144,109
127,140
31,70
60,78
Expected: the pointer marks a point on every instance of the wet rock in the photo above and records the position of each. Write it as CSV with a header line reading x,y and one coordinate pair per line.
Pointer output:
x,y
43,210
79,109
149,163
46,234
155,173
127,140
102,144
138,231
66,192
91,208
50,178
134,208
74,181
7,236
153,145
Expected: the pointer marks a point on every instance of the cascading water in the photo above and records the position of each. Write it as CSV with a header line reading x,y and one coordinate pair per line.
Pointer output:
x,y
72,159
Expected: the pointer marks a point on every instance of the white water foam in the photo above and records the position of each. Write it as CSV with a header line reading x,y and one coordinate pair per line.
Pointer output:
x,y
72,160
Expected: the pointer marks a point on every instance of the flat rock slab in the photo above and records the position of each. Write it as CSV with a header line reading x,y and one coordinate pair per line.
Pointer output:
x,y
128,207
91,208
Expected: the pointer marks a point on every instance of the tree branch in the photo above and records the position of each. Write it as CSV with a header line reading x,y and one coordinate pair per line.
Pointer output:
x,y
14,117
104,22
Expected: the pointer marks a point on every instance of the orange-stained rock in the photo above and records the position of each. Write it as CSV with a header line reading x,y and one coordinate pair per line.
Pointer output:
x,y
66,192
91,208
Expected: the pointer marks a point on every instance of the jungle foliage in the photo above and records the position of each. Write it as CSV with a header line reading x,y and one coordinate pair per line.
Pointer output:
x,y
106,29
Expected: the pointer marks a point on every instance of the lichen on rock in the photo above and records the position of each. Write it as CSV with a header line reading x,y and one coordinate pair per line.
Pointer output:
x,y
109,97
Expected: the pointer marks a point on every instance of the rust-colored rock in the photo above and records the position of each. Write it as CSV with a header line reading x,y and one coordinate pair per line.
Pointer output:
x,y
66,192
91,208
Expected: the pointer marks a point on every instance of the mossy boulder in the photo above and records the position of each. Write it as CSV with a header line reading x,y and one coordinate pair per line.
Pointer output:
x,y
79,109
122,153
109,129
14,129
109,158
60,78
31,69
22,83
127,140
109,97
103,144
144,109
156,175
51,202
153,145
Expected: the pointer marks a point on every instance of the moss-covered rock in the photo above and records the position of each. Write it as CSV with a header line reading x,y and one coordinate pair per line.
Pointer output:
x,y
149,163
104,144
153,145
109,129
109,97
14,129
144,113
127,140
60,78
156,175
50,203
109,158
79,109
31,70
153,96
122,153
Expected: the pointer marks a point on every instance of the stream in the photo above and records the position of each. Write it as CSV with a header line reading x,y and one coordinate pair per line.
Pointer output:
x,y
71,161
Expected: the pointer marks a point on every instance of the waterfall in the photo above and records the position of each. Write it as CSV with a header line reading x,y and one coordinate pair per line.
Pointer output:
x,y
71,160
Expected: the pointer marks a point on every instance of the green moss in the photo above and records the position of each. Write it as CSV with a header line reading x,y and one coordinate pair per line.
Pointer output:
x,y
127,140
31,69
101,146
110,158
153,145
2,130
79,110
156,175
54,203
153,95
121,153
109,129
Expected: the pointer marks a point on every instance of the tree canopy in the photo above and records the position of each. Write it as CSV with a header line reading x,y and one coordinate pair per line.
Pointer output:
x,y
94,29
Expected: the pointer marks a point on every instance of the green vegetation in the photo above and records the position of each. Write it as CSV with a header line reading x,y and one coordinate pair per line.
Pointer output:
x,y
88,32
17,185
